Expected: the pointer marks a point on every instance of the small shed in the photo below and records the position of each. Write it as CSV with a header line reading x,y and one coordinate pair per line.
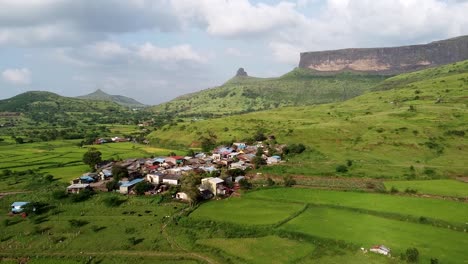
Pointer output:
x,y
18,207
182,196
78,187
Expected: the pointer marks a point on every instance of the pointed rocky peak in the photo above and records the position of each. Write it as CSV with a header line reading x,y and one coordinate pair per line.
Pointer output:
x,y
241,72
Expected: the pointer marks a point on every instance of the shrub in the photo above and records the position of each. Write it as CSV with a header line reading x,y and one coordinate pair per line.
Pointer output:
x,y
412,191
59,194
412,255
77,223
349,163
82,196
113,201
434,261
142,187
394,190
341,169
288,181
245,184
270,182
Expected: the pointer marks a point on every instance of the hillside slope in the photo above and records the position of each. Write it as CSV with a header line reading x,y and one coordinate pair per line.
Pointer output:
x,y
100,95
415,128
51,108
244,94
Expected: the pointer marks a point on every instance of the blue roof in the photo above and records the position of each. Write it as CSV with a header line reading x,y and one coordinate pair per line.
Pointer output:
x,y
19,204
160,160
87,178
131,183
276,157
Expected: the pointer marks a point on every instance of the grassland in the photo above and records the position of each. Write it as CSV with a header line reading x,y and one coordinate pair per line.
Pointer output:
x,y
416,130
350,220
246,94
435,187
63,158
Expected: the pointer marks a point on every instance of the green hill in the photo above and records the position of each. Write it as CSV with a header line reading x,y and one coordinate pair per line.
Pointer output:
x,y
416,128
244,94
50,108
100,95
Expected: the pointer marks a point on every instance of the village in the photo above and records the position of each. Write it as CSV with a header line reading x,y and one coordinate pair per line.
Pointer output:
x,y
221,171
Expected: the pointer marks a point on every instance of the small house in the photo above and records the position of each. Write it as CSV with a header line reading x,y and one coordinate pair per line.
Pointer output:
x,y
18,207
154,178
213,184
127,186
177,160
171,179
78,187
273,159
380,249
182,196
105,174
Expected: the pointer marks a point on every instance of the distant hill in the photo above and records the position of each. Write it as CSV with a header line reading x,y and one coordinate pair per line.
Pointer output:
x,y
51,108
244,93
389,61
414,126
119,99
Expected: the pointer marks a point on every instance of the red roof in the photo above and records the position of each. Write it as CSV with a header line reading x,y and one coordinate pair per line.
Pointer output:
x,y
177,157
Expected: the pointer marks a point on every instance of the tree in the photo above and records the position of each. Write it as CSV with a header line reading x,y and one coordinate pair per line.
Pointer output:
x,y
244,184
92,157
209,142
142,187
19,140
112,185
412,255
119,172
189,185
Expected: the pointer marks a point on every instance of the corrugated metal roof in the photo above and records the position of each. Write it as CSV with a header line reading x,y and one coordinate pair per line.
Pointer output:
x,y
131,183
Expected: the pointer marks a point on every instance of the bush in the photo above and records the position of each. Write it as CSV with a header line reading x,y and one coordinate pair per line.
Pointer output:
x,y
412,255
77,223
394,190
341,169
411,191
112,185
288,181
59,195
82,196
270,182
113,201
245,184
142,187
294,149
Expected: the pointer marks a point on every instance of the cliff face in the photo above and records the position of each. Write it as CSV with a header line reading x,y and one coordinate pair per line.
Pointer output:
x,y
387,61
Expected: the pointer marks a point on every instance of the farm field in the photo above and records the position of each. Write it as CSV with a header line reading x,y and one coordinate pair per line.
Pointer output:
x,y
63,158
436,187
361,219
449,211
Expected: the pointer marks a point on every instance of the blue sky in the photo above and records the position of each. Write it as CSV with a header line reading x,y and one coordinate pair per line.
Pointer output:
x,y
157,50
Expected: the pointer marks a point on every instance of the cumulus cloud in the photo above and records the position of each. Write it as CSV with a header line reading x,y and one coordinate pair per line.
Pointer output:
x,y
177,53
17,76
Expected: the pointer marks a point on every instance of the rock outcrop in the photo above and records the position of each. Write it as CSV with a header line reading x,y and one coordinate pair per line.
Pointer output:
x,y
387,61
241,72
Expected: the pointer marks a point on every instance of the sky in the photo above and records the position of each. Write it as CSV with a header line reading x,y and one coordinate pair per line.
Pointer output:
x,y
156,50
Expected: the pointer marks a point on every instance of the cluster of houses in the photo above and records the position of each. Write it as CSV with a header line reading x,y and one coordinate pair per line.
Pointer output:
x,y
163,172
100,141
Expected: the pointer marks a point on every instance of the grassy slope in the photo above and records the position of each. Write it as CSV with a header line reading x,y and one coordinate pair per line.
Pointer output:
x,y
436,187
99,95
377,130
245,94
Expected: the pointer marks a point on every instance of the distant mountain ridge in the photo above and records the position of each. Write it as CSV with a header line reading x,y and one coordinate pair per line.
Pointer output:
x,y
100,95
388,60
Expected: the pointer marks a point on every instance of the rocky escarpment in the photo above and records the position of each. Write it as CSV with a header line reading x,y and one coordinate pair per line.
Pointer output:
x,y
387,61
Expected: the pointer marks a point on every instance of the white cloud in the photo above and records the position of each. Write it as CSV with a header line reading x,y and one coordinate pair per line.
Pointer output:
x,y
285,53
17,76
177,53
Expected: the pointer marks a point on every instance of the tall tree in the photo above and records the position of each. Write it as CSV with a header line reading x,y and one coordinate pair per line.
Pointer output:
x,y
92,157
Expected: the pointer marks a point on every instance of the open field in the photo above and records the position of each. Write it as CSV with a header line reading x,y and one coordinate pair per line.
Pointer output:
x,y
367,230
361,219
436,187
452,212
245,211
63,159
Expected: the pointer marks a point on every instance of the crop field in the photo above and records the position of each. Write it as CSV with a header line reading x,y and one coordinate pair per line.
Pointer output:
x,y
437,228
63,159
245,211
436,187
449,211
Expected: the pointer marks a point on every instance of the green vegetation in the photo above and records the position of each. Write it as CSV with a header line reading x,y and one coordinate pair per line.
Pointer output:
x,y
99,95
247,94
436,187
375,131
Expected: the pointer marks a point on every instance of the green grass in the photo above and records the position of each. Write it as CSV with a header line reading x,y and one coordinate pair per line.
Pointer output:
x,y
436,187
378,131
246,211
246,94
63,158
270,249
453,212
367,230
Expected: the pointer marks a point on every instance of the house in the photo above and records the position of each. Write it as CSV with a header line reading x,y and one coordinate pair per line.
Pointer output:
x,y
105,174
380,249
18,207
171,179
127,186
240,145
154,178
177,160
273,159
215,185
182,196
78,187
86,179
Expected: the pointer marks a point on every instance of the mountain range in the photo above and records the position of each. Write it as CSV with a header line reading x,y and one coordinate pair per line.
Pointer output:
x,y
100,95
